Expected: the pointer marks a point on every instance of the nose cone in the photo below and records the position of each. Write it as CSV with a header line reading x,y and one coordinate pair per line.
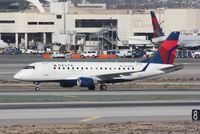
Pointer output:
x,y
18,75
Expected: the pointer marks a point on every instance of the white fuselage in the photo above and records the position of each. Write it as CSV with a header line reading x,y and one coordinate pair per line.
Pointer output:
x,y
184,40
57,71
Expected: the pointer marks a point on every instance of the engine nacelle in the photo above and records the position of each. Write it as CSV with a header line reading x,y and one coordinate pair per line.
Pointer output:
x,y
85,82
67,83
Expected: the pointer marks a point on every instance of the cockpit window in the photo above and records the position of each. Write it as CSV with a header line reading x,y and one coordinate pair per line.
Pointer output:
x,y
29,67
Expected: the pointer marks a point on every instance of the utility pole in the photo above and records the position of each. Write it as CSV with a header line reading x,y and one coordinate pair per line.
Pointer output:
x,y
64,16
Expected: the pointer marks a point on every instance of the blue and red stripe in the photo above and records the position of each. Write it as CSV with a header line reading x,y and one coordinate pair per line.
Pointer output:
x,y
166,52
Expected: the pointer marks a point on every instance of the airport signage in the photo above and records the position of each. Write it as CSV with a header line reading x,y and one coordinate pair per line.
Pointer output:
x,y
196,114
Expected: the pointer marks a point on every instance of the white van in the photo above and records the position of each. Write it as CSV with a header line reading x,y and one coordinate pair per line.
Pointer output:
x,y
91,54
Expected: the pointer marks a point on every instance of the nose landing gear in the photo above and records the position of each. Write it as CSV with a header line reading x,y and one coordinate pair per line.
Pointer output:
x,y
37,86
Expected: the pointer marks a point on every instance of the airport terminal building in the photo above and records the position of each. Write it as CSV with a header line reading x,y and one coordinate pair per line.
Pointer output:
x,y
90,26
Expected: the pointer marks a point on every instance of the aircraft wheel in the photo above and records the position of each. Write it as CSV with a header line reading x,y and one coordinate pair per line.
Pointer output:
x,y
37,88
197,56
91,88
103,87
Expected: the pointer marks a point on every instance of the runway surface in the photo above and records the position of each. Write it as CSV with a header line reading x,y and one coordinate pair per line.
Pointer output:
x,y
104,93
96,114
99,111
98,96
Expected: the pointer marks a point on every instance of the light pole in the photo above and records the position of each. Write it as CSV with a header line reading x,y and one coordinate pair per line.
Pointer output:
x,y
64,17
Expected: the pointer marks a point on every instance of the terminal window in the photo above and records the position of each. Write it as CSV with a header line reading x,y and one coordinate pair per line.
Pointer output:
x,y
7,21
93,23
59,16
46,23
32,23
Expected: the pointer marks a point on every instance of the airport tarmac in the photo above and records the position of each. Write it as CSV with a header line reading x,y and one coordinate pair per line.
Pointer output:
x,y
97,106
97,114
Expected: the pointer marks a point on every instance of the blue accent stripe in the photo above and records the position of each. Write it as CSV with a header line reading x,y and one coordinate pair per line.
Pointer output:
x,y
173,36
145,68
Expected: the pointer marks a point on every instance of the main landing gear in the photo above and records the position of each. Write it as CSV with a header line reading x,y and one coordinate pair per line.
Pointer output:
x,y
103,87
37,86
91,88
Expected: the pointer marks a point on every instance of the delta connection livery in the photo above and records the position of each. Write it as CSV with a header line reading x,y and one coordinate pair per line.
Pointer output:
x,y
185,41
90,74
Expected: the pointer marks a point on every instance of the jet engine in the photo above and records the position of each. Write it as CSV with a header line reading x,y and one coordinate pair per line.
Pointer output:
x,y
67,84
85,82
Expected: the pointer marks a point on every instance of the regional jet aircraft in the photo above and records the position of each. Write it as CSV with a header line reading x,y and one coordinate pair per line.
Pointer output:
x,y
184,40
90,74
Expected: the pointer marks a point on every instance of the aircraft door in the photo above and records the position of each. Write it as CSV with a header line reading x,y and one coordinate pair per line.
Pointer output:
x,y
46,69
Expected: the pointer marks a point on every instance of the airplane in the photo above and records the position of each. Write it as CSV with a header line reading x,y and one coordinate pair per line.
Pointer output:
x,y
185,41
90,74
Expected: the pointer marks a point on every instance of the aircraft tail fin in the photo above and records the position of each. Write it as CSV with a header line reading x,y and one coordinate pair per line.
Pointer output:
x,y
157,30
167,50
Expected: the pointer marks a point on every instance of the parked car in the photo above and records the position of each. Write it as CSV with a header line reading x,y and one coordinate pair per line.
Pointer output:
x,y
12,51
114,52
92,54
138,53
120,53
31,51
128,54
196,54
40,51
58,55
149,53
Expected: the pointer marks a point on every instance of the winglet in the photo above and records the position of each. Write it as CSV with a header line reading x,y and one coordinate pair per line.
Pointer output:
x,y
157,30
167,50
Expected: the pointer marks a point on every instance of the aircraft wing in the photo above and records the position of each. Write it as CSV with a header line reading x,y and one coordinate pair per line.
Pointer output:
x,y
108,77
173,68
113,76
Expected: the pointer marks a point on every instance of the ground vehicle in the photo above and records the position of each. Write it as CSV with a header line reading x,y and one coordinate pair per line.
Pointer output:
x,y
92,54
58,55
196,54
138,53
40,51
149,53
128,54
116,52
31,51
120,53
12,51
